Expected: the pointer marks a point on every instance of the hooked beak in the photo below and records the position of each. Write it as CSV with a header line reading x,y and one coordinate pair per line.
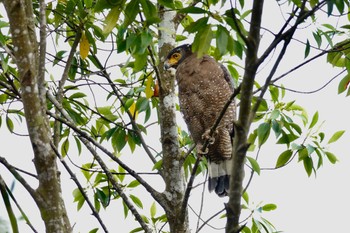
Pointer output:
x,y
167,65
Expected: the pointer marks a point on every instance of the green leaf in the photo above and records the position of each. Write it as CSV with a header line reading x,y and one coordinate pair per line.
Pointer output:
x,y
133,140
153,210
343,84
336,136
321,135
197,25
126,210
340,6
106,4
308,165
314,120
201,43
78,197
119,139
140,61
307,49
320,158
65,147
169,4
136,200
255,165
142,104
274,93
157,165
77,95
238,48
277,128
283,158
130,12
138,229
302,154
111,20
58,57
269,207
94,230
263,132
222,37
193,10
317,38
331,157
150,11
9,124
102,197
245,197
133,184
275,114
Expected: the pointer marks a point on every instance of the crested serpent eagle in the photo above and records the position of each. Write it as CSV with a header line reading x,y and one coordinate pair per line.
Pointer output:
x,y
204,88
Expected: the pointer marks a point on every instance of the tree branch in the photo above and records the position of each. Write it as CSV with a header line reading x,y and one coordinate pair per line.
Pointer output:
x,y
61,83
233,207
86,138
36,196
80,187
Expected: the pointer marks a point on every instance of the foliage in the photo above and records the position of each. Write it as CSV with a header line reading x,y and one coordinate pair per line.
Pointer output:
x,y
110,88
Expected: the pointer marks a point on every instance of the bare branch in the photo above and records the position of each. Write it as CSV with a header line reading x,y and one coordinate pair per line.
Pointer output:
x,y
36,196
59,94
233,207
80,187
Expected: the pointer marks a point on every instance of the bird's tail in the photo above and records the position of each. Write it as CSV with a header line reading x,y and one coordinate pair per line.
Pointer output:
x,y
219,176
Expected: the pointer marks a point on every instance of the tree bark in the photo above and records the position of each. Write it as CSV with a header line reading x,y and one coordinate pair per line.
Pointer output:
x,y
173,172
25,46
233,207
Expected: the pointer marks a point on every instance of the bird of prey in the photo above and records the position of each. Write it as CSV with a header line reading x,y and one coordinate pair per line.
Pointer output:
x,y
204,87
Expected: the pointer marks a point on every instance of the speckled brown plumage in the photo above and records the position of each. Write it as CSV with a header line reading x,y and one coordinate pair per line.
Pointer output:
x,y
204,87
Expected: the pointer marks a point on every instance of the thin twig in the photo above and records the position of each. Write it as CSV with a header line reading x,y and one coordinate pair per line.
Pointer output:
x,y
209,219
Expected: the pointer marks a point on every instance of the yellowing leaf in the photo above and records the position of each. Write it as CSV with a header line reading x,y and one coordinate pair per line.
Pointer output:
x,y
84,46
133,110
149,91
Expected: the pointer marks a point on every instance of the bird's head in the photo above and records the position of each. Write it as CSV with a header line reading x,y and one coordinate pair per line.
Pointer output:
x,y
177,55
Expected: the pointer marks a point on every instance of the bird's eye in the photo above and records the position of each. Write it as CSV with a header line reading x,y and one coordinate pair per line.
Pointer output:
x,y
176,55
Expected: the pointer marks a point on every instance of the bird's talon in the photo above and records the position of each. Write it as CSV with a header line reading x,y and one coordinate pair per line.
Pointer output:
x,y
200,152
206,136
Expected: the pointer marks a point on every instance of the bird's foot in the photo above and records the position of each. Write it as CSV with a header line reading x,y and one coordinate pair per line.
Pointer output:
x,y
206,136
200,152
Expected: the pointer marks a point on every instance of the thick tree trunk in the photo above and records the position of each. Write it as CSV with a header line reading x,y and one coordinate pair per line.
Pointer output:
x,y
233,207
173,172
25,48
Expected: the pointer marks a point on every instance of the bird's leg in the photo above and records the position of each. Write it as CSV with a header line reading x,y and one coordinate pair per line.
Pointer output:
x,y
210,138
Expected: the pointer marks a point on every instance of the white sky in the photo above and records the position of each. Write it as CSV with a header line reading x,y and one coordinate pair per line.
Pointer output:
x,y
305,204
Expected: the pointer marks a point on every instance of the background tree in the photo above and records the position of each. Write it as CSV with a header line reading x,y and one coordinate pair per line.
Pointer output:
x,y
94,94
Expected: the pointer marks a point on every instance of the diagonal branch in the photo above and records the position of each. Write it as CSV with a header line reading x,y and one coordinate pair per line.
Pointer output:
x,y
86,138
59,94
80,187
133,123
35,195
